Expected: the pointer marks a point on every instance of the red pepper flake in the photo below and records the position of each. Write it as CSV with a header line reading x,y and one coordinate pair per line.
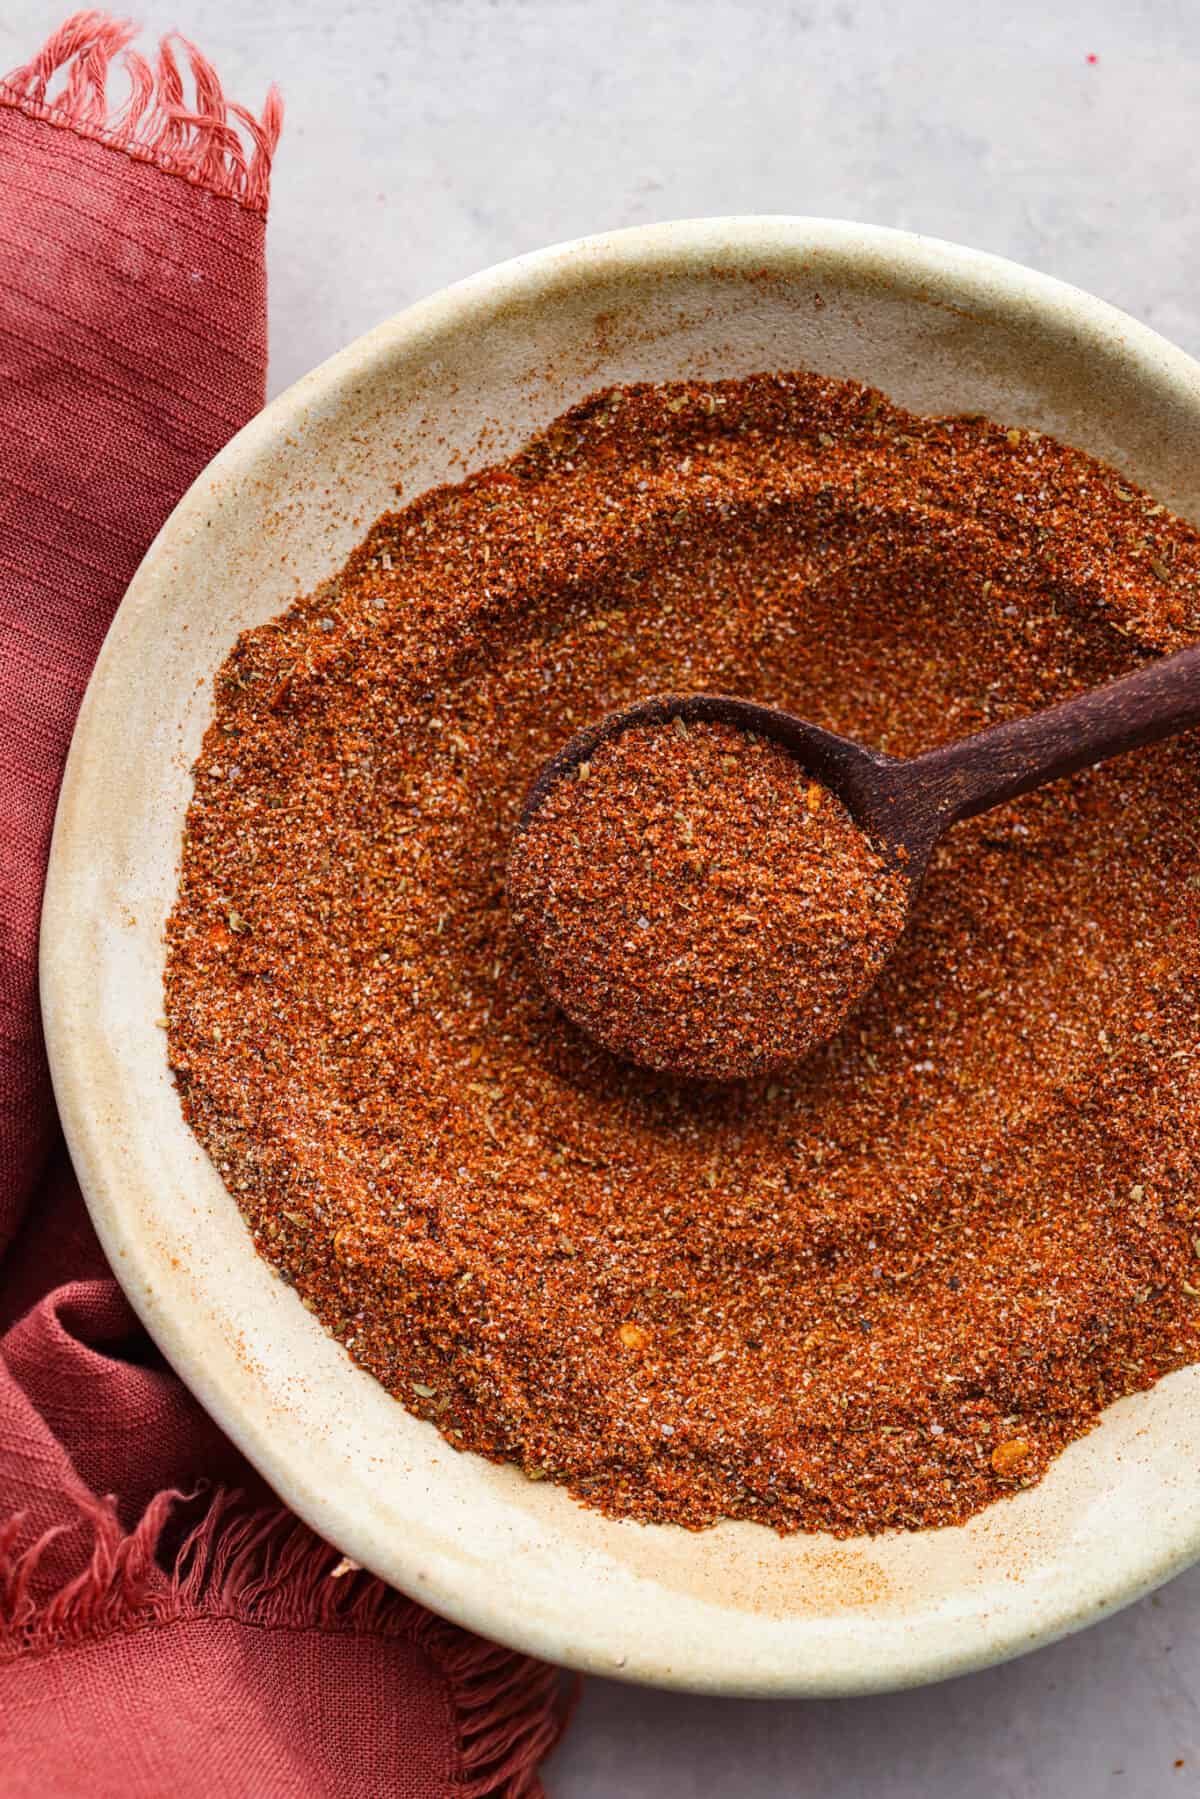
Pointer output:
x,y
1010,1457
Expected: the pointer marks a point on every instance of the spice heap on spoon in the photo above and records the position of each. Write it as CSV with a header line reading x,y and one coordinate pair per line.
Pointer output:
x,y
708,887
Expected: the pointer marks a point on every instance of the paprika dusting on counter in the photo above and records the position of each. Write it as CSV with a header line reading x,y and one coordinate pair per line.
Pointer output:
x,y
882,1290
698,903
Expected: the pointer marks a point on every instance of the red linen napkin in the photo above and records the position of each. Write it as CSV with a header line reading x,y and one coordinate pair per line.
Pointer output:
x,y
151,1642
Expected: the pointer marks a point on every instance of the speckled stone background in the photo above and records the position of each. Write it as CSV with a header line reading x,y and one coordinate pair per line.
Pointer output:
x,y
428,138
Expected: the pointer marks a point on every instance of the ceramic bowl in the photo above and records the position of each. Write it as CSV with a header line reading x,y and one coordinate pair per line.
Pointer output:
x,y
456,381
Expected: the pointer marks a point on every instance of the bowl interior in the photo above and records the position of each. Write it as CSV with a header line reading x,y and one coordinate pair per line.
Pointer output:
x,y
455,382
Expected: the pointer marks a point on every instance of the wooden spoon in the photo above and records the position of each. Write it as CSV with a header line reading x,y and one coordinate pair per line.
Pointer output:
x,y
907,805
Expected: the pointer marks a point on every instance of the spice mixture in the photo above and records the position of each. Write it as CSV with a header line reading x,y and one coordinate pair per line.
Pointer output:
x,y
699,904
882,1291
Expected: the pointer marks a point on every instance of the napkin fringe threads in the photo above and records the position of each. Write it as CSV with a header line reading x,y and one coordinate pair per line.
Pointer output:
x,y
266,1569
213,143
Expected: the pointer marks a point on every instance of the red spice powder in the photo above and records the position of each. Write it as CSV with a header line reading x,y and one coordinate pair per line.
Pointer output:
x,y
698,903
881,1291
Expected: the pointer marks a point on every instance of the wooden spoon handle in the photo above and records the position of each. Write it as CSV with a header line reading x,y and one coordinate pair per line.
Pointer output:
x,y
976,773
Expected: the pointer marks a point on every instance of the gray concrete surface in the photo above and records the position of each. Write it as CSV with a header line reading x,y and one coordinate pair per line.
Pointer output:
x,y
427,138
